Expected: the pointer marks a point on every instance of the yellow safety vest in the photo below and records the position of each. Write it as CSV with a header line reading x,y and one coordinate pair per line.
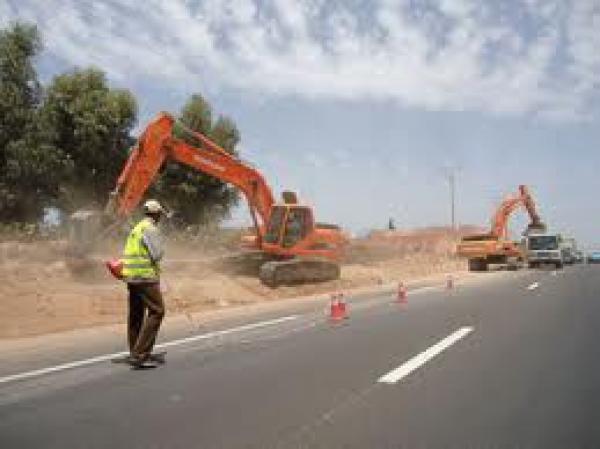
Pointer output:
x,y
137,264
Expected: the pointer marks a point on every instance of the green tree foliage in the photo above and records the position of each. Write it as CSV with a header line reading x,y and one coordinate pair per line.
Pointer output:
x,y
30,169
91,123
195,197
19,87
33,176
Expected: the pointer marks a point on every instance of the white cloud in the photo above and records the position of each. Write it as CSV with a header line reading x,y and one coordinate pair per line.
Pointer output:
x,y
456,55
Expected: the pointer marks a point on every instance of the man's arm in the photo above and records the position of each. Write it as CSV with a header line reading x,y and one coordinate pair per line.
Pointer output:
x,y
153,243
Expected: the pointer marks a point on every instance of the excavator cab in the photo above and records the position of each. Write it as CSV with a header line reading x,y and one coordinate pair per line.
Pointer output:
x,y
302,248
289,222
288,225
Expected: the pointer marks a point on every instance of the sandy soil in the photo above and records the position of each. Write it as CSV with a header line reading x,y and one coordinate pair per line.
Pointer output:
x,y
42,291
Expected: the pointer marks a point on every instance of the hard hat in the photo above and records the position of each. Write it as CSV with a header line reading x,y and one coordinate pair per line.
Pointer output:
x,y
153,207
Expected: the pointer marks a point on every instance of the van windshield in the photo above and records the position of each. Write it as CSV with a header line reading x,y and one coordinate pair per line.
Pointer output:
x,y
546,242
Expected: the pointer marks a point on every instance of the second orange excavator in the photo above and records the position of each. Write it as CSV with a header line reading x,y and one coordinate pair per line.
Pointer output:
x,y
495,247
300,249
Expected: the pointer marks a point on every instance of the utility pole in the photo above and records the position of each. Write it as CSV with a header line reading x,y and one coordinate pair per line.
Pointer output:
x,y
449,172
452,182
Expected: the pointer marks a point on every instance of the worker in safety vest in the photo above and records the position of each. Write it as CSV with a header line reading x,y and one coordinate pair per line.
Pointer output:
x,y
141,257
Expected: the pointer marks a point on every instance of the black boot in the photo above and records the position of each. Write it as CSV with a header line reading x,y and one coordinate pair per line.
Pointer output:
x,y
137,362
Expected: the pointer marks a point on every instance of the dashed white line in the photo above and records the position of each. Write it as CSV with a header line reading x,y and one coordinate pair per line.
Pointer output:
x,y
417,361
178,342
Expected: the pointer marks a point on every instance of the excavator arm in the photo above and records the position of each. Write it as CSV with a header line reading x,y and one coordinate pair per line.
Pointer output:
x,y
535,222
157,144
522,199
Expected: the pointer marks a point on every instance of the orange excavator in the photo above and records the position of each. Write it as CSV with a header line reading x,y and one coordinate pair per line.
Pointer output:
x,y
298,248
495,247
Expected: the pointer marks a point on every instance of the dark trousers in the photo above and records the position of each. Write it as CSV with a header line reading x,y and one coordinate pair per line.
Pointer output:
x,y
146,311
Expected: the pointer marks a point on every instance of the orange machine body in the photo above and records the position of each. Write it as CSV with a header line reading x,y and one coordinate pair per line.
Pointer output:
x,y
495,246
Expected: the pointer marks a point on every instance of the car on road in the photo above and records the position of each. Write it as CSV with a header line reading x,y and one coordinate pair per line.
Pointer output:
x,y
593,257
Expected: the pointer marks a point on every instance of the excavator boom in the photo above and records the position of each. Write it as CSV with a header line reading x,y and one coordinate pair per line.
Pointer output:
x,y
158,144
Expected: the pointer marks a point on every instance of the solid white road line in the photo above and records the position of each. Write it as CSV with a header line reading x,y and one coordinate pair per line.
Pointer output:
x,y
105,357
533,286
411,365
425,289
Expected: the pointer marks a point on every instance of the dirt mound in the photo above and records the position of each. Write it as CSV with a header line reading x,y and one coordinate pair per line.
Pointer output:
x,y
387,245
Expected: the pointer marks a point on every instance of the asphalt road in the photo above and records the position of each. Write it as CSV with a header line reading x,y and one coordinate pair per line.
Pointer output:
x,y
511,362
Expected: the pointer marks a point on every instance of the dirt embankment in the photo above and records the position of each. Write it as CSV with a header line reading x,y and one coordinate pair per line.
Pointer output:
x,y
42,291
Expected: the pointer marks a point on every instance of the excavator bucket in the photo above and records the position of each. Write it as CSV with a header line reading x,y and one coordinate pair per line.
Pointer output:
x,y
536,228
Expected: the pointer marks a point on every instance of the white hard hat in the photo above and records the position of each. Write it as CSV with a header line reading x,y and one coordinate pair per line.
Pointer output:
x,y
153,207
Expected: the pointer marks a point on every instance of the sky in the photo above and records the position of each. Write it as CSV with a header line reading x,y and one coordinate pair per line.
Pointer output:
x,y
364,107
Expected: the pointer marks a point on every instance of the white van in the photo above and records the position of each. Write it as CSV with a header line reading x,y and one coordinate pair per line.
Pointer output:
x,y
545,249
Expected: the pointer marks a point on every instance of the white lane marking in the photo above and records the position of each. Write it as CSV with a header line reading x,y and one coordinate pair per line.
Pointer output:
x,y
417,361
105,357
424,289
533,286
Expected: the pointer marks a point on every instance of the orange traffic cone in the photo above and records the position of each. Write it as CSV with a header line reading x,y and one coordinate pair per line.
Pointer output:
x,y
337,311
342,305
402,293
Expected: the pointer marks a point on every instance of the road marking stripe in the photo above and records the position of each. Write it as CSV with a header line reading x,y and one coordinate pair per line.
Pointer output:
x,y
533,286
105,357
417,361
425,289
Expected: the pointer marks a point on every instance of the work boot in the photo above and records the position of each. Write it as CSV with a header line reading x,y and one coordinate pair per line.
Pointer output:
x,y
143,362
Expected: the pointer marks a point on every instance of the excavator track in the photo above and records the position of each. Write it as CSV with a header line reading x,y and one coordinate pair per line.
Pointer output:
x,y
297,271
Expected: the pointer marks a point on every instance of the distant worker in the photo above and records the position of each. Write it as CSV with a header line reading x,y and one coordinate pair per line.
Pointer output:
x,y
391,225
141,258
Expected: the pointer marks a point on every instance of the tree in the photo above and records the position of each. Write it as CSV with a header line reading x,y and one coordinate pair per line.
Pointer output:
x,y
91,123
30,170
33,175
195,197
225,134
19,87
65,146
